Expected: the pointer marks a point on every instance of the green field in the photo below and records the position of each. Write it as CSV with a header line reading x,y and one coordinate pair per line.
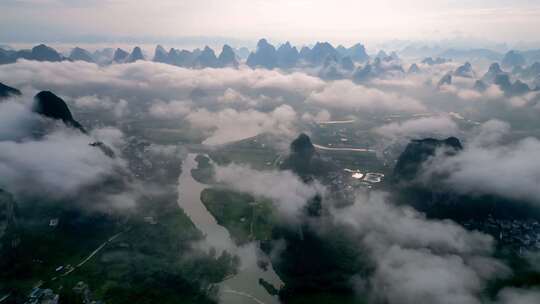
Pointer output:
x,y
247,218
153,262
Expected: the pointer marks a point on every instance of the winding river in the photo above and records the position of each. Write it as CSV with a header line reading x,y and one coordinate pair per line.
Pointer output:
x,y
244,287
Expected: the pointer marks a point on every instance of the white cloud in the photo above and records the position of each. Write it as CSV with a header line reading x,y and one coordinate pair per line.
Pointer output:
x,y
231,125
16,121
441,125
320,116
121,108
345,94
93,102
110,136
487,166
417,259
286,190
57,165
169,110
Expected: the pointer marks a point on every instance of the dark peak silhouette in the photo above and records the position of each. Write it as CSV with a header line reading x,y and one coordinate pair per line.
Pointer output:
x,y
491,74
428,61
262,43
465,70
227,57
495,68
49,105
181,58
103,56
7,56
287,55
530,72
512,59
206,59
44,53
286,46
480,86
161,55
304,160
304,52
509,88
519,88
7,91
136,54
320,52
120,55
503,81
358,53
377,68
265,56
301,157
80,54
363,73
418,151
446,80
385,65
413,69
302,145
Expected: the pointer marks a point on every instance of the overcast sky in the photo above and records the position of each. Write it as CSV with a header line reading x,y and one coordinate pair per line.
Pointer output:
x,y
342,21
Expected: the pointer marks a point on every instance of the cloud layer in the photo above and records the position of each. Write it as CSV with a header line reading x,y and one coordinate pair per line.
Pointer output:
x,y
417,259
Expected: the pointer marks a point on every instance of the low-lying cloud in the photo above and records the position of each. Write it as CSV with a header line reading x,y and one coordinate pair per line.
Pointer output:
x,y
419,128
344,94
231,125
489,166
418,260
284,188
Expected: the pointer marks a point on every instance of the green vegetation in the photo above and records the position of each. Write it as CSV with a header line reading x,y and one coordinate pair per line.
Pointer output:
x,y
43,248
153,262
325,298
144,265
247,218
150,261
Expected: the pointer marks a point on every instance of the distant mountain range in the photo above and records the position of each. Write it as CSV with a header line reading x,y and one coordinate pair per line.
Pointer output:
x,y
324,60
265,56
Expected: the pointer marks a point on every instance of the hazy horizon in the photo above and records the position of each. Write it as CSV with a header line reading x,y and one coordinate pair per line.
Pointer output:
x,y
242,22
